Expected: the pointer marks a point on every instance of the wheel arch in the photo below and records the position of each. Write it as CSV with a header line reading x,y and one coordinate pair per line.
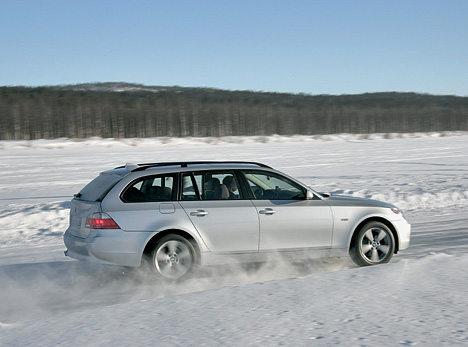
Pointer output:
x,y
382,220
152,242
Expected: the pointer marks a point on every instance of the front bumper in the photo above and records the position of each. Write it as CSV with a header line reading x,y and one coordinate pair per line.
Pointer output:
x,y
404,233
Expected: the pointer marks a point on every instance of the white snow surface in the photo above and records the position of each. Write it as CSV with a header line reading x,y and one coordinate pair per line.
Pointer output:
x,y
420,298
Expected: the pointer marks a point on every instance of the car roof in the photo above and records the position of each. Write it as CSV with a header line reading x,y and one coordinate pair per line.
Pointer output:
x,y
186,164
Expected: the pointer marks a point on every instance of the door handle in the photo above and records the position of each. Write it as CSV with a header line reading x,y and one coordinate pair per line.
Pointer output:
x,y
198,213
268,211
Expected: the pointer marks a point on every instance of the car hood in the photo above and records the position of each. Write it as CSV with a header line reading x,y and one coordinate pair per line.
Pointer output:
x,y
341,200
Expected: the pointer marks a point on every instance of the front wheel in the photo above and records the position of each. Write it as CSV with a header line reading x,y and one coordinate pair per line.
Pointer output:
x,y
173,257
374,244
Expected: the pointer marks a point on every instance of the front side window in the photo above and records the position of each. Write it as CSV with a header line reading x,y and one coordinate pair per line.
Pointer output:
x,y
212,185
270,186
150,189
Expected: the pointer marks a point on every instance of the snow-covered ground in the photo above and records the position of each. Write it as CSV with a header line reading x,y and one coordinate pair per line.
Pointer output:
x,y
419,298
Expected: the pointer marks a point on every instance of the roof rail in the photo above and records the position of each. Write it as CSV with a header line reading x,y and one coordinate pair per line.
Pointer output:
x,y
145,166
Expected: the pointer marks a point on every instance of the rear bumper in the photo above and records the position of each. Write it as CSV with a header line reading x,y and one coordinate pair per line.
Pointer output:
x,y
108,247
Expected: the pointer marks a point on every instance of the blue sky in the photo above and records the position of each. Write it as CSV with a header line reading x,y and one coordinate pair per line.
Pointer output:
x,y
313,47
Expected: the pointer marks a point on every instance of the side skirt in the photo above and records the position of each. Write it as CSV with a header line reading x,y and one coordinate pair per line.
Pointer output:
x,y
208,258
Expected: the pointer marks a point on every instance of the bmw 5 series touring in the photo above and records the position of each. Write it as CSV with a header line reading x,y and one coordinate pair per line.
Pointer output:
x,y
179,215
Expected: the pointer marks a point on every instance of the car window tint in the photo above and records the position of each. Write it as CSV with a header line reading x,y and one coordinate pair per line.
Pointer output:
x,y
150,189
217,185
268,186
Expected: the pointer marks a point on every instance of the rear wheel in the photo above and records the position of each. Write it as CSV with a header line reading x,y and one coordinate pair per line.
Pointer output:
x,y
173,257
374,244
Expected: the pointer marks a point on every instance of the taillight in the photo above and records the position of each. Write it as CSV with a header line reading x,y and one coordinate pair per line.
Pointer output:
x,y
101,221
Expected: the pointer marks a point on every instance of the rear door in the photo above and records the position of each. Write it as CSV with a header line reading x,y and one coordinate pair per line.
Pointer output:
x,y
149,203
225,218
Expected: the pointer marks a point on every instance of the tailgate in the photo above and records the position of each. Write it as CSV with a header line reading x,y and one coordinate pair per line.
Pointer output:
x,y
79,211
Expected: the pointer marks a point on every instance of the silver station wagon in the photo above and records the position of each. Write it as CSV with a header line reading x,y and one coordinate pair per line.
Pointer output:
x,y
179,215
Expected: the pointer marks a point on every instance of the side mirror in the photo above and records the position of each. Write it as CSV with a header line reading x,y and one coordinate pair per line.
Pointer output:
x,y
310,195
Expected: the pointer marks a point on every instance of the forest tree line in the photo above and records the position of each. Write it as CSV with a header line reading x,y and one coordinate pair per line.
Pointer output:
x,y
111,110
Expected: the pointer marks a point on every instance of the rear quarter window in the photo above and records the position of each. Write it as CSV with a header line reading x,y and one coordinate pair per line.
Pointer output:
x,y
151,189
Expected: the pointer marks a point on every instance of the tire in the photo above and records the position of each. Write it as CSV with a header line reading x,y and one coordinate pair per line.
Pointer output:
x,y
374,244
173,258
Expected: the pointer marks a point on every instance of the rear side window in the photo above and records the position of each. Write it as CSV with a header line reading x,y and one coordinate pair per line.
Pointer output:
x,y
98,188
211,185
150,189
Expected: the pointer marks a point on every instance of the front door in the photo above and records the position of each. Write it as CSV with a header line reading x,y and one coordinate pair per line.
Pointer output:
x,y
288,221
